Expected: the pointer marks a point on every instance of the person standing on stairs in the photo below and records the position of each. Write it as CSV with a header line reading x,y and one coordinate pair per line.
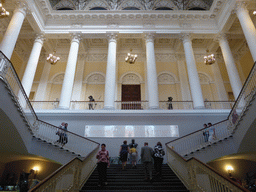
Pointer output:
x,y
147,160
102,164
158,159
123,152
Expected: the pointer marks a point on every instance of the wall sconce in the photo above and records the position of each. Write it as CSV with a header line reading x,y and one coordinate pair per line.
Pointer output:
x,y
230,170
254,12
36,170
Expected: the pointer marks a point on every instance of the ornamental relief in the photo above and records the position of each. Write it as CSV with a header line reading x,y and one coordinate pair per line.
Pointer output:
x,y
96,79
130,78
203,79
97,57
58,79
138,4
166,78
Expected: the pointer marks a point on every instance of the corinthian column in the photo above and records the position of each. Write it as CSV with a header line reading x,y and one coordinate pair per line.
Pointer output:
x,y
230,65
110,83
11,35
30,71
247,26
68,81
152,84
194,81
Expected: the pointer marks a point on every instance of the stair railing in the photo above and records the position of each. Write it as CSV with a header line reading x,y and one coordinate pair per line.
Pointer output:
x,y
243,100
47,133
71,176
197,176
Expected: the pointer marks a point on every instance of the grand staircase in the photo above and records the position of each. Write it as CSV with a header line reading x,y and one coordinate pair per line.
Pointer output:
x,y
133,180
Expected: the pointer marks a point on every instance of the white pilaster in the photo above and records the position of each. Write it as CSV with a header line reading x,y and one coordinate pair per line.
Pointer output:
x,y
194,81
230,65
30,71
78,79
68,81
222,94
41,90
11,35
153,95
184,85
110,82
247,26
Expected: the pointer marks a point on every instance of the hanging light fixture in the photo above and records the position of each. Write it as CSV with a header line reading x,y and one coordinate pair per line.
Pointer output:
x,y
52,59
130,58
3,12
254,12
209,59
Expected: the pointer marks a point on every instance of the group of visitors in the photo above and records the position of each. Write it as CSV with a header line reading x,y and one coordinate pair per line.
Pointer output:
x,y
62,133
209,133
149,156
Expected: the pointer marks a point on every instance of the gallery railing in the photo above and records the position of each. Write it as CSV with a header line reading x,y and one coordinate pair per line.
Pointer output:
x,y
86,105
131,105
197,176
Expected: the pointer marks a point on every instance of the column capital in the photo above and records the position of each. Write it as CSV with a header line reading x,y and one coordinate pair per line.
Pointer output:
x,y
220,37
112,37
149,37
21,7
186,37
241,5
40,38
76,37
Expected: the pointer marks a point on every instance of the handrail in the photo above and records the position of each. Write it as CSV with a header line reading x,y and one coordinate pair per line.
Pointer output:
x,y
45,131
192,174
54,175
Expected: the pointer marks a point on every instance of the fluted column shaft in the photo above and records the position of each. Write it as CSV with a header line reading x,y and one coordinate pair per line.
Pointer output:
x,y
67,86
30,71
110,82
12,32
248,27
230,65
153,95
194,81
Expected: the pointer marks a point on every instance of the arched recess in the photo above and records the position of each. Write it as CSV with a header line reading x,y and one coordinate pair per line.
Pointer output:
x,y
198,5
167,86
97,3
56,86
131,87
131,4
94,84
206,86
65,5
164,4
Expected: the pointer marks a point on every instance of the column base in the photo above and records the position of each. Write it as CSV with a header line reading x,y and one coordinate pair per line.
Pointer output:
x,y
154,108
108,108
200,107
62,108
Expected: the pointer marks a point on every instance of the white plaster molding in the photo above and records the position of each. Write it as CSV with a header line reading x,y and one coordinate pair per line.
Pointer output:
x,y
131,77
166,78
95,78
204,78
57,78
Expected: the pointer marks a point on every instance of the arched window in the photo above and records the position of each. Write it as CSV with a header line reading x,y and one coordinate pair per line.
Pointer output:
x,y
196,9
98,8
64,8
163,8
131,8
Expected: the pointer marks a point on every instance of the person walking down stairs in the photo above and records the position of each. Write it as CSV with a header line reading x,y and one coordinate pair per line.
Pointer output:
x,y
102,164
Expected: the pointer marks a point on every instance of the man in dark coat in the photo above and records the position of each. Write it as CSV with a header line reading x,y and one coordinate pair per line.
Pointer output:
x,y
147,160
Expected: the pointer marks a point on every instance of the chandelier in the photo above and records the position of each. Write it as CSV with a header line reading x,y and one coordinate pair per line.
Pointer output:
x,y
209,59
3,12
130,58
254,12
52,59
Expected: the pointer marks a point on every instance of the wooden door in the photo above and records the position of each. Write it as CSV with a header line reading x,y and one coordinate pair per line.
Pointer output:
x,y
131,94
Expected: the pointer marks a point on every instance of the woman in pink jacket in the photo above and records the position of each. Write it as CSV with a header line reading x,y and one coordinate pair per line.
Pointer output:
x,y
103,163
